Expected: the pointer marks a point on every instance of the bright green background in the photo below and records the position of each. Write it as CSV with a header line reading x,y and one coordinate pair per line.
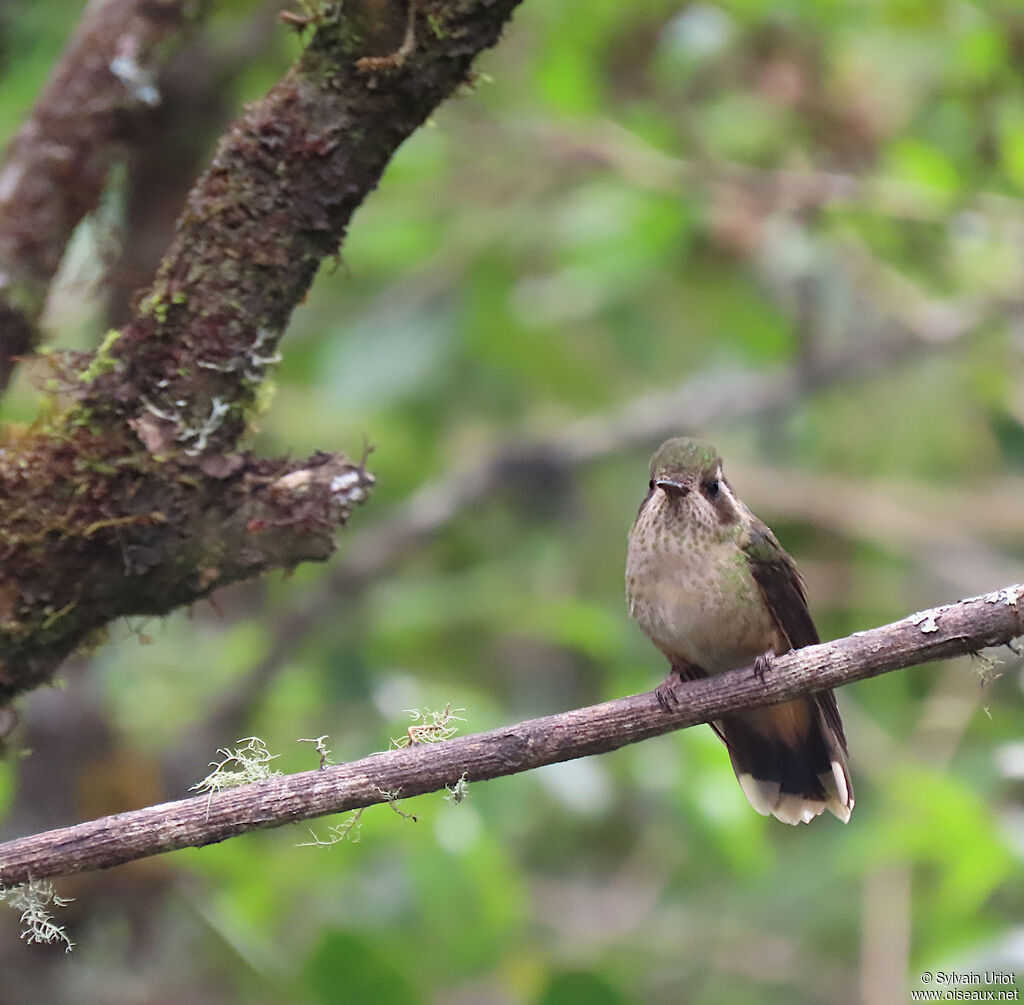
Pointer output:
x,y
568,237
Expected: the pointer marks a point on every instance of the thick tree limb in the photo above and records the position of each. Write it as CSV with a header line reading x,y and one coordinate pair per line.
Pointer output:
x,y
955,629
108,511
155,544
56,166
277,199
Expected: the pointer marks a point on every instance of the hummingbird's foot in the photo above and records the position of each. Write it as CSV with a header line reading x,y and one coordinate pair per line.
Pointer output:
x,y
665,692
763,664
679,674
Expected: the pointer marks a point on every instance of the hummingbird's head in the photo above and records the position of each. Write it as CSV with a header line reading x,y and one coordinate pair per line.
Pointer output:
x,y
687,480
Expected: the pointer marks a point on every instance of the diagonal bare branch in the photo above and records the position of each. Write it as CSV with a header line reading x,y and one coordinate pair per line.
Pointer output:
x,y
941,633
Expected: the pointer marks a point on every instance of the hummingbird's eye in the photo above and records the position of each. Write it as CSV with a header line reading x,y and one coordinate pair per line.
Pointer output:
x,y
712,488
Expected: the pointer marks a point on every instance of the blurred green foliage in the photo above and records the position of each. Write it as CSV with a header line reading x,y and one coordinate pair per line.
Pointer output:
x,y
617,208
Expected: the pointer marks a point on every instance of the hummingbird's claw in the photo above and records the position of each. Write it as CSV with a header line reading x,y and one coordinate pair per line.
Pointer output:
x,y
763,664
666,693
680,673
666,690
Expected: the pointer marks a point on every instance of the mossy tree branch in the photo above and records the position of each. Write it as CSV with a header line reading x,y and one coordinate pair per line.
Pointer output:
x,y
955,629
277,199
114,507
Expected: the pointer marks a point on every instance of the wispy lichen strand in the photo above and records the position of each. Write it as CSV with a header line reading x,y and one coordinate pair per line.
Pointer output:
x,y
33,901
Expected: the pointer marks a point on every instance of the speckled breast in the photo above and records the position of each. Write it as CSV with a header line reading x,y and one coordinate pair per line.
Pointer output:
x,y
695,599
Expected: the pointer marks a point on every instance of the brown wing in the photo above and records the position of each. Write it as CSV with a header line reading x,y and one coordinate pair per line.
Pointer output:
x,y
783,591
781,586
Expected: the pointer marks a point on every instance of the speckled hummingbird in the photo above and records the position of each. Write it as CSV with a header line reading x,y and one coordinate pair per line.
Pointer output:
x,y
712,588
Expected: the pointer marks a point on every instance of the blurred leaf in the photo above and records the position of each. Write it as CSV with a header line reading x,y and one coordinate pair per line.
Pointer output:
x,y
580,987
938,819
1012,148
344,968
923,164
586,627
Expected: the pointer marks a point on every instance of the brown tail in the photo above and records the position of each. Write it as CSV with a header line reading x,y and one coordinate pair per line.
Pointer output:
x,y
790,760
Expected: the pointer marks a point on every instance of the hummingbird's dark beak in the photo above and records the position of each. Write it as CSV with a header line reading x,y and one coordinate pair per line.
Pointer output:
x,y
672,488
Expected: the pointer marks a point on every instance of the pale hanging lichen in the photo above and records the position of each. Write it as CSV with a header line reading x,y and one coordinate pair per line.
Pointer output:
x,y
458,791
347,830
34,900
242,766
392,798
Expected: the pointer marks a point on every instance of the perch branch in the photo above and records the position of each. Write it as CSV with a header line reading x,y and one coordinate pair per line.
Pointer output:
x,y
943,632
